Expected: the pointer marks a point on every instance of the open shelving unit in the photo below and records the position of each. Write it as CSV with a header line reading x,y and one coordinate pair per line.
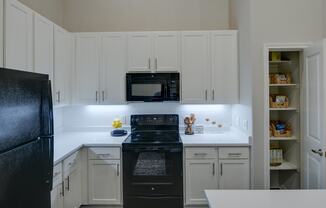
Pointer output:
x,y
286,175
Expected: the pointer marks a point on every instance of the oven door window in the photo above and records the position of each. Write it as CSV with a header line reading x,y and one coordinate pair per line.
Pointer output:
x,y
150,164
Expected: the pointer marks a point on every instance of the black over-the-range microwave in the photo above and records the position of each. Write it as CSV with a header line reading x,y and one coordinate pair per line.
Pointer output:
x,y
153,87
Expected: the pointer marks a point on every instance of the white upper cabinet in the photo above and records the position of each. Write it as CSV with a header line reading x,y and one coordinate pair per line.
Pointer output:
x,y
43,45
113,67
62,64
18,36
225,71
1,33
166,51
153,51
140,51
195,67
87,68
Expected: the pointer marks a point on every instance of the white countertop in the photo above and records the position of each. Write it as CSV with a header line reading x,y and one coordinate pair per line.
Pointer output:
x,y
266,198
65,143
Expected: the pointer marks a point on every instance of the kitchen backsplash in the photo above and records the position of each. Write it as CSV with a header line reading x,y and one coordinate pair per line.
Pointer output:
x,y
72,117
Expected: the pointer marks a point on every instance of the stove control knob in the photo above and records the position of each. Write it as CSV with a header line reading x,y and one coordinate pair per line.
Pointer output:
x,y
153,189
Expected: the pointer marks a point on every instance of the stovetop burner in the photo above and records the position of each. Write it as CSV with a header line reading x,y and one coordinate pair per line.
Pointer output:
x,y
154,129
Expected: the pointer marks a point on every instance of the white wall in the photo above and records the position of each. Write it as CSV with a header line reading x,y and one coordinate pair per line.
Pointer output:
x,y
51,9
277,21
102,116
1,33
130,15
324,18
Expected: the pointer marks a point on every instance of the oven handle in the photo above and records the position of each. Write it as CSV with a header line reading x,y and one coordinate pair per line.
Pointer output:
x,y
136,150
156,197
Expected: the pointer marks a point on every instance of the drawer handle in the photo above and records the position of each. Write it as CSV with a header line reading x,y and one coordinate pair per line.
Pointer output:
x,y
200,154
234,154
104,155
56,174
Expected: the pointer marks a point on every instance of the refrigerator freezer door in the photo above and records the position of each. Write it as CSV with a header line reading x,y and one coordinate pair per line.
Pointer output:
x,y
22,99
24,181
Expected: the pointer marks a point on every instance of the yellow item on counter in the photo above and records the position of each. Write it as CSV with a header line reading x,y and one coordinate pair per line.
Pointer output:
x,y
117,123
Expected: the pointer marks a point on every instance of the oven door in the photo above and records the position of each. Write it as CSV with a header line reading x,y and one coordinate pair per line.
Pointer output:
x,y
146,87
152,171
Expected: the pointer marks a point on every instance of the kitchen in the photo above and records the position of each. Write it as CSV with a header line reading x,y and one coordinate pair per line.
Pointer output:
x,y
100,70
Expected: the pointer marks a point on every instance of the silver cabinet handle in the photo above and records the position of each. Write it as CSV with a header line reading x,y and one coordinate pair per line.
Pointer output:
x,y
149,63
156,63
62,192
103,95
318,152
118,169
200,154
206,95
221,171
96,96
57,97
213,94
68,184
213,169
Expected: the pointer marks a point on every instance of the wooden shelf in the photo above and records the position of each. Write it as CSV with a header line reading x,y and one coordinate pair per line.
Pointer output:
x,y
283,85
283,138
284,109
285,166
280,62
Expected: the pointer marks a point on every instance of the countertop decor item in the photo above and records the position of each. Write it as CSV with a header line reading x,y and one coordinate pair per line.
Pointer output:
x,y
189,121
117,124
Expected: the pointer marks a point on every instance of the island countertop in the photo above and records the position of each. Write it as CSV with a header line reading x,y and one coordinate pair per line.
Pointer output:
x,y
266,198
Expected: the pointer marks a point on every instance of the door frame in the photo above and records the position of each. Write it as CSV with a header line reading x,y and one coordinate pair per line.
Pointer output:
x,y
266,49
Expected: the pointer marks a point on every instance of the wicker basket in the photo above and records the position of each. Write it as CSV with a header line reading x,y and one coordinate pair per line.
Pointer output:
x,y
275,104
280,78
275,133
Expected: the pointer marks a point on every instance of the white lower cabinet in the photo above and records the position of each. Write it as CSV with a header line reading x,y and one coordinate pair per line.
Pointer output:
x,y
214,168
104,176
200,175
66,192
234,174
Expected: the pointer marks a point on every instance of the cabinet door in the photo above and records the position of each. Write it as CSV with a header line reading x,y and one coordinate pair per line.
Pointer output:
x,y
225,70
114,56
140,49
87,68
57,197
195,67
62,64
234,174
166,51
104,182
200,175
43,45
18,36
72,198
1,33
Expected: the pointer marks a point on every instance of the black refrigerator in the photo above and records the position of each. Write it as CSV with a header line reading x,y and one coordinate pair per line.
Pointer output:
x,y
26,139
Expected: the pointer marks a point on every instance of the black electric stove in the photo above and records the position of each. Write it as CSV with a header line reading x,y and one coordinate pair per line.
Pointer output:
x,y
152,163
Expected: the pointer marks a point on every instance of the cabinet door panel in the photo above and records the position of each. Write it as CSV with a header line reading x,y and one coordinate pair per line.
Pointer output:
x,y
104,182
166,51
234,174
56,197
195,67
87,68
18,36
1,33
200,175
43,45
62,64
113,52
140,49
225,70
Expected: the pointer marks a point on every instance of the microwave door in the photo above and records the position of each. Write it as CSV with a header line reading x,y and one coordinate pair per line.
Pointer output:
x,y
148,91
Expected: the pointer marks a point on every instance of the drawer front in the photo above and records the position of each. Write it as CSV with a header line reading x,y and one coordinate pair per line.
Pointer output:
x,y
234,153
71,163
201,153
57,174
103,153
